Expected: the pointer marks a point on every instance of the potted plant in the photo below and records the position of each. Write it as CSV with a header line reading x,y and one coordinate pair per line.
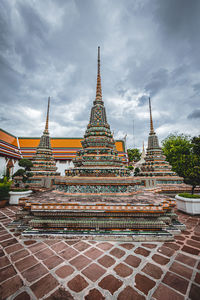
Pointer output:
x,y
190,203
4,191
20,188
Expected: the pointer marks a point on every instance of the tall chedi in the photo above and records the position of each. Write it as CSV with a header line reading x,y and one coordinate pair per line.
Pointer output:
x,y
99,156
155,162
43,161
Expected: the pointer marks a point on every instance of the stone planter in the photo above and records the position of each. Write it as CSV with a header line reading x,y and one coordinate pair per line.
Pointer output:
x,y
16,195
189,205
3,203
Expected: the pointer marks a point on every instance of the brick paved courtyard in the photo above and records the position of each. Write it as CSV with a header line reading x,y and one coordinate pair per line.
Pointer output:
x,y
61,269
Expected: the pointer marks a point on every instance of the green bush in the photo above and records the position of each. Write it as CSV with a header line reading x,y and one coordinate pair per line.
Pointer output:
x,y
4,189
186,195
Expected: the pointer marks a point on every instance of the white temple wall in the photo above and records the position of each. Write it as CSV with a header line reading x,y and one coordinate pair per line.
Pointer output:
x,y
63,165
2,166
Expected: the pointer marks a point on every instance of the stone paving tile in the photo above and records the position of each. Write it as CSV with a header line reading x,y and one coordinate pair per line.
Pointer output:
x,y
43,286
80,262
165,293
69,253
105,246
194,292
142,251
13,248
81,246
34,272
37,247
93,272
117,252
166,251
94,294
190,250
153,270
106,261
176,282
110,283
59,247
23,296
64,271
160,259
143,283
60,294
26,263
127,246
18,255
4,261
7,272
133,261
44,254
53,261
130,294
10,286
30,242
93,253
122,270
190,261
181,270
77,284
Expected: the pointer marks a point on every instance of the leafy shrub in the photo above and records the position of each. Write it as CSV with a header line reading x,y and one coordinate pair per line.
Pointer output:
x,y
4,189
186,195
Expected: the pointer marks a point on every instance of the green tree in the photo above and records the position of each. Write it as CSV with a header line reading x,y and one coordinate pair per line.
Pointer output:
x,y
136,171
174,146
26,164
133,154
25,173
182,153
196,145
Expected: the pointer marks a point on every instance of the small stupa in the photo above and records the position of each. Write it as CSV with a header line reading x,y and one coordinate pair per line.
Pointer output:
x,y
139,163
155,164
43,161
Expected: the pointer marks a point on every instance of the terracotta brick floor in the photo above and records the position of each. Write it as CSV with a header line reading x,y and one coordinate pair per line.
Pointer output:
x,y
61,269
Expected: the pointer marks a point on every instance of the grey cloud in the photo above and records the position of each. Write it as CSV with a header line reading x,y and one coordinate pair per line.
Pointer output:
x,y
195,114
159,79
147,47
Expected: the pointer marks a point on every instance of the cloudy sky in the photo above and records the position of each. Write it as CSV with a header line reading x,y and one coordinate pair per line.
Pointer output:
x,y
148,48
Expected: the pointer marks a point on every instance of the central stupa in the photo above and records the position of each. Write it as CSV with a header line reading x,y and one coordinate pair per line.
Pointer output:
x,y
99,157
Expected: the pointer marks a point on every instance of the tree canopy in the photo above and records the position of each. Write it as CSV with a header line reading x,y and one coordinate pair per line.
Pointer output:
x,y
183,153
133,154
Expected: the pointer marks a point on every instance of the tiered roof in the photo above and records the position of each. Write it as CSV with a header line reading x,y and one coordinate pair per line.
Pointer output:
x,y
9,145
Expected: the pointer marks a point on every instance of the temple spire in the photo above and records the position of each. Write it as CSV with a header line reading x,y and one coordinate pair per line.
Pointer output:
x,y
98,89
47,119
151,120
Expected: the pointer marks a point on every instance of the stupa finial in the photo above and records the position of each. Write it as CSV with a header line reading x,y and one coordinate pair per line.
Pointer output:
x,y
151,120
47,119
143,146
98,90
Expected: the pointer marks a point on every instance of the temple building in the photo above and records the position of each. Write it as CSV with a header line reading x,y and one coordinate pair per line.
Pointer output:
x,y
98,199
155,164
13,148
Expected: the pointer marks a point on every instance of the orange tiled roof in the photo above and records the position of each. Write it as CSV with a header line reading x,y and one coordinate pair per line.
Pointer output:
x,y
8,138
8,145
63,148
